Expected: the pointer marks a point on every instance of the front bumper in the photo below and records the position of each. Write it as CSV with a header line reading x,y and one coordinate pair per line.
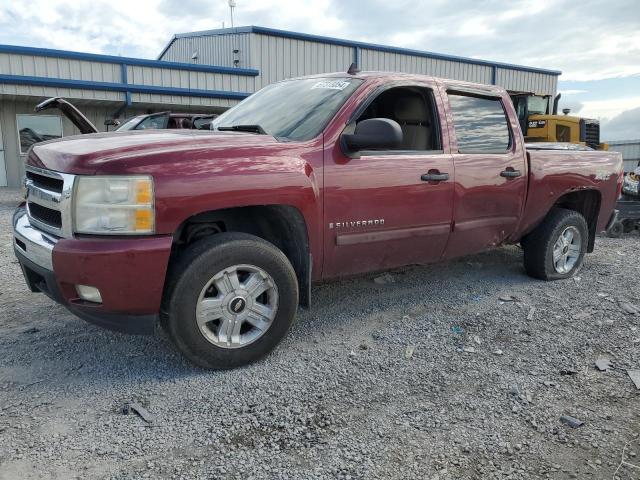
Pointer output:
x,y
129,272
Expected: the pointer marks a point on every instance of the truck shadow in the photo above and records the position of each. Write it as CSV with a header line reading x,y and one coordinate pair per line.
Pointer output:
x,y
63,350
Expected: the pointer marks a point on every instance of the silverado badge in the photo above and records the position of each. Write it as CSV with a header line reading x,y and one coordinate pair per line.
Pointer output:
x,y
357,223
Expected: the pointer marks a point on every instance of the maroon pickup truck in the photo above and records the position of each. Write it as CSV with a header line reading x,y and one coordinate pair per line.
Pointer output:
x,y
218,235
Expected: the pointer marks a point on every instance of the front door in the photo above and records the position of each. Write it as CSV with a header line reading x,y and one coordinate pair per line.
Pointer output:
x,y
3,168
390,208
491,173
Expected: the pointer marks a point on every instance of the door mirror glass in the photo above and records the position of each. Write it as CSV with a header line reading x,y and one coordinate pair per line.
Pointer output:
x,y
373,134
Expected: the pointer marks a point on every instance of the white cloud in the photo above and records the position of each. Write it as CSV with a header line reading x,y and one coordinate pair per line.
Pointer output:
x,y
595,41
607,109
474,27
571,92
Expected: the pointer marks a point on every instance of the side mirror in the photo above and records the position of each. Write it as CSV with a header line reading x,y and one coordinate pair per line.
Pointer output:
x,y
373,133
111,122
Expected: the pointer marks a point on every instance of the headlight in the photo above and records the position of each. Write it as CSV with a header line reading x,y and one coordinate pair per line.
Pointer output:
x,y
114,205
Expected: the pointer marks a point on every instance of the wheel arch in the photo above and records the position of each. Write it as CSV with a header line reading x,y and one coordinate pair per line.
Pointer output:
x,y
282,225
586,202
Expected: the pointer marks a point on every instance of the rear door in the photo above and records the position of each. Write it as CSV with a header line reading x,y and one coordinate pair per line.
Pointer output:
x,y
381,211
490,171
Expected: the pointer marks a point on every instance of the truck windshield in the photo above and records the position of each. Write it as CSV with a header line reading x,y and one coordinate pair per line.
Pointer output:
x,y
290,110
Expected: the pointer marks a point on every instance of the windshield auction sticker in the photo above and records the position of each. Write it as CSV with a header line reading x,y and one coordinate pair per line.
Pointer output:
x,y
331,85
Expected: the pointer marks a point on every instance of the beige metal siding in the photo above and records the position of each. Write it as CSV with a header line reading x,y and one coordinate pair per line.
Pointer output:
x,y
375,60
211,50
166,77
69,93
183,103
278,58
630,151
522,81
52,67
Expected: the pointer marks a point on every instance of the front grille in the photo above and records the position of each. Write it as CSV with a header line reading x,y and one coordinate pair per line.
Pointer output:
x,y
590,132
49,200
47,183
45,215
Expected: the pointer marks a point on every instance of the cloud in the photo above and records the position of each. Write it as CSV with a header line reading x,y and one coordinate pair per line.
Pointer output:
x,y
574,105
625,126
607,109
591,42
572,92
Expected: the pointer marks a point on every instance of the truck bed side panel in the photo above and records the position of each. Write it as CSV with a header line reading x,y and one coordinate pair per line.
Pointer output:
x,y
553,174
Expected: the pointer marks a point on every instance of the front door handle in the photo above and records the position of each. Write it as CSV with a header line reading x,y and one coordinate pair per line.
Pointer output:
x,y
434,177
510,173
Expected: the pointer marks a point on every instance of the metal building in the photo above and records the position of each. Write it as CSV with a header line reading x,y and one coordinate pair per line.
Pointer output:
x,y
103,87
630,150
204,72
280,54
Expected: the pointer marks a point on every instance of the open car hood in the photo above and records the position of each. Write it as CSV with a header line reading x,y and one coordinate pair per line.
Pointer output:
x,y
81,122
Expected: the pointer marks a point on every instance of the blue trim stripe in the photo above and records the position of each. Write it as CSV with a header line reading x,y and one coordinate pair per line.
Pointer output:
x,y
125,80
119,87
349,43
141,62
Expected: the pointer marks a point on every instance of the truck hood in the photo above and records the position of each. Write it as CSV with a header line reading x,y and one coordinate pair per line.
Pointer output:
x,y
119,152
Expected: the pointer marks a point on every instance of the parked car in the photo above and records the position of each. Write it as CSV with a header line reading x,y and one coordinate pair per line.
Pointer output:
x,y
218,235
163,120
628,206
160,120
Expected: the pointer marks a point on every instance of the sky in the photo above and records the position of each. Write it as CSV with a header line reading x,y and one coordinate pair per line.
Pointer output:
x,y
595,43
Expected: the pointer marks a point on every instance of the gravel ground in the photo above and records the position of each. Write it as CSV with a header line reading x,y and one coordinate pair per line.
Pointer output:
x,y
429,376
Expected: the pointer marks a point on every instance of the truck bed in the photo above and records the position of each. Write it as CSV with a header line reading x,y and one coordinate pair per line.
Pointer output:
x,y
555,174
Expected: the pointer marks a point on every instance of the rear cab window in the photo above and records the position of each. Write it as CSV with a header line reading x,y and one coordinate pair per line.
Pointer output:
x,y
480,123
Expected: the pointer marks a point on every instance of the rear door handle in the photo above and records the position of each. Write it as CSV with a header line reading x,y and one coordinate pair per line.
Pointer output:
x,y
434,177
510,173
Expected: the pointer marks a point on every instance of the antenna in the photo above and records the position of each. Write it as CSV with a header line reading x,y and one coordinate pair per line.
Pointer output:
x,y
353,69
232,5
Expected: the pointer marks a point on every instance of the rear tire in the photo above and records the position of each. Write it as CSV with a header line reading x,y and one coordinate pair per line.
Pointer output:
x,y
231,298
556,248
616,230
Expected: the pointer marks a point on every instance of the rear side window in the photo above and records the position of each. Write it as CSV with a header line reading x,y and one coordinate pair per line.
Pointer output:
x,y
480,124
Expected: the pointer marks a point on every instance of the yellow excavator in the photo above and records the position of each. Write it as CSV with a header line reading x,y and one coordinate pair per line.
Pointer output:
x,y
540,122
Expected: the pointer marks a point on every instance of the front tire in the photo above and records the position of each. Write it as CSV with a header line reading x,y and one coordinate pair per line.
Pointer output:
x,y
230,300
556,248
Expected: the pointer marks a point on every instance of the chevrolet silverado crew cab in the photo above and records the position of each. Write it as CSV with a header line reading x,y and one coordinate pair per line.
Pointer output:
x,y
218,235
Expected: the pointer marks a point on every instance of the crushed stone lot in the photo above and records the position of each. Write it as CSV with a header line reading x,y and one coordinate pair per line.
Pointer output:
x,y
459,370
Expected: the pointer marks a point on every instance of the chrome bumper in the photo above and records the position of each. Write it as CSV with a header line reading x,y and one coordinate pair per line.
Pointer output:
x,y
34,244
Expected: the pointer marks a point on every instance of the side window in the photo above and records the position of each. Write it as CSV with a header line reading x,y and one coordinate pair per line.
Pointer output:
x,y
480,124
153,122
414,110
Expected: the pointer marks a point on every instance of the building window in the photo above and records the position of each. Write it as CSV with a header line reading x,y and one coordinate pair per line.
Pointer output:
x,y
37,128
480,124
